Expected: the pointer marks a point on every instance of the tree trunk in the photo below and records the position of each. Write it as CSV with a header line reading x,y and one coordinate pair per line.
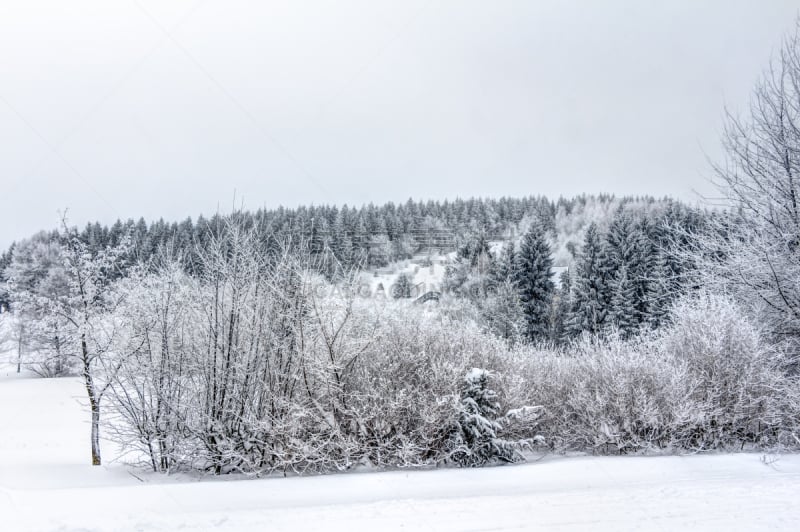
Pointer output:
x,y
94,402
95,433
19,348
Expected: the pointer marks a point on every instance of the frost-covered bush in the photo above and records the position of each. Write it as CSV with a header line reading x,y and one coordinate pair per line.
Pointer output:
x,y
341,384
739,387
153,393
404,393
606,396
706,381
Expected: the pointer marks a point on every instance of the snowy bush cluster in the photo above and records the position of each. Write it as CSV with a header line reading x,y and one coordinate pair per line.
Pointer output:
x,y
253,381
250,378
706,381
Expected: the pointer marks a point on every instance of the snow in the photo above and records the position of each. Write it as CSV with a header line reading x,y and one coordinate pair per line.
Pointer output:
x,y
424,278
475,374
47,484
556,272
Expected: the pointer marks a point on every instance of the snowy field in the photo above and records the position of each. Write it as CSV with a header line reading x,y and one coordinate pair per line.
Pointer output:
x,y
46,484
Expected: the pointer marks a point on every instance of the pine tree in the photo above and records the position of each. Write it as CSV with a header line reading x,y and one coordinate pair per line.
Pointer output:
x,y
501,312
5,262
475,249
534,283
659,293
620,237
474,439
624,246
590,295
561,305
316,237
642,272
402,287
504,266
361,242
623,314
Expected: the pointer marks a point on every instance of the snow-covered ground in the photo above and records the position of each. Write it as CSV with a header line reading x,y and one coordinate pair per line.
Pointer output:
x,y
424,277
46,484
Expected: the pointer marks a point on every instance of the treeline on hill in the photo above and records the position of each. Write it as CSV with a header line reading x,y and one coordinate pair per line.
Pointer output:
x,y
369,236
375,236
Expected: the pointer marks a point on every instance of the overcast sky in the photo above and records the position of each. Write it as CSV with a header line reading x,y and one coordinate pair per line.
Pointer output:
x,y
154,108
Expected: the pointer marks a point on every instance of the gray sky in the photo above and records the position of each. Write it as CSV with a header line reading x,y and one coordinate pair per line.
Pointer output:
x,y
128,108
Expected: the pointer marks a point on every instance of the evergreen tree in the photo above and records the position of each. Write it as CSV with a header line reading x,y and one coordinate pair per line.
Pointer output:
x,y
644,273
659,295
501,312
361,242
5,262
504,266
474,439
474,250
623,314
316,236
402,287
623,245
534,283
341,243
590,294
629,256
561,306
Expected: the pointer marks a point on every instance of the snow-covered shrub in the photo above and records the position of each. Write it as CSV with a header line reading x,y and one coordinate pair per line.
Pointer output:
x,y
403,393
602,396
625,399
706,381
152,395
259,367
739,386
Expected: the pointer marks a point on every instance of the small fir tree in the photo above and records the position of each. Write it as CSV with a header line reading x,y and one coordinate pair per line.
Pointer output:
x,y
402,287
475,441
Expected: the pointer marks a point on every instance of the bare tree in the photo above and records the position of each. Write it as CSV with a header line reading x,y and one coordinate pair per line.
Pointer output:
x,y
148,395
86,310
754,249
